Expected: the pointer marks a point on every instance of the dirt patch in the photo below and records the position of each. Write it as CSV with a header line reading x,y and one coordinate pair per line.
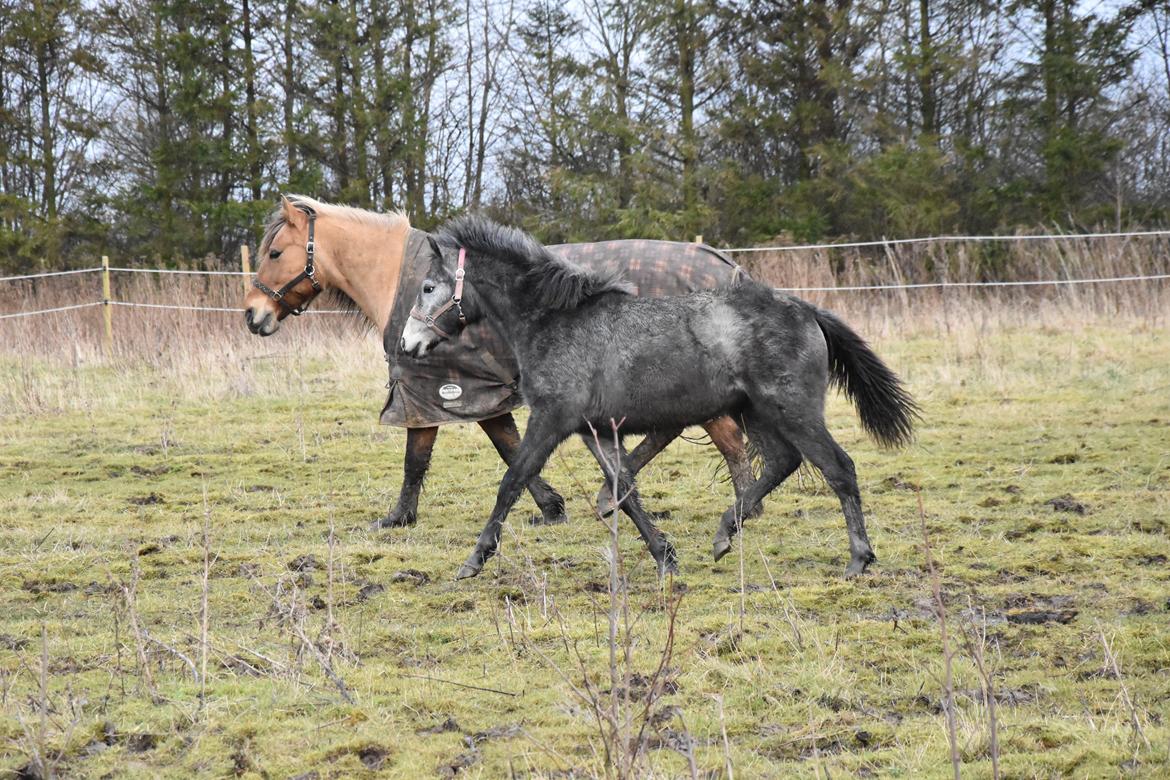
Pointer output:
x,y
369,590
373,756
1065,459
446,726
457,764
412,576
48,586
307,562
141,743
150,499
13,642
898,482
1036,609
142,471
502,731
1066,503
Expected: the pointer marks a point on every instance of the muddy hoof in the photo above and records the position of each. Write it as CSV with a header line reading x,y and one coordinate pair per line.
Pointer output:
x,y
395,519
467,571
859,564
669,562
721,547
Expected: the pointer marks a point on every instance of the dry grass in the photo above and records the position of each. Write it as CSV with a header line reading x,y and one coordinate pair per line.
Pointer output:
x,y
157,508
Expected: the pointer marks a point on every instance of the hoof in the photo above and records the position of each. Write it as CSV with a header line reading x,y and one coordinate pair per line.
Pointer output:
x,y
859,564
669,562
467,571
605,502
721,547
395,519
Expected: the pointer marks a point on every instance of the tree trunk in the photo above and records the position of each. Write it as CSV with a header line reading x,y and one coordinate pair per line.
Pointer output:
x,y
254,161
685,32
289,90
926,68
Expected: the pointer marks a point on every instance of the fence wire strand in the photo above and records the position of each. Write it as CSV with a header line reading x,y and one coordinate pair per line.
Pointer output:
x,y
236,310
936,285
44,274
14,315
806,247
948,239
125,270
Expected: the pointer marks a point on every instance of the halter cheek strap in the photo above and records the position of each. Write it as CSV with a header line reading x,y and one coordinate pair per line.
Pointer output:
x,y
310,272
456,301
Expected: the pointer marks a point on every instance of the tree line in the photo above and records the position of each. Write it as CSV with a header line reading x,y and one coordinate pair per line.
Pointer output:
x,y
160,131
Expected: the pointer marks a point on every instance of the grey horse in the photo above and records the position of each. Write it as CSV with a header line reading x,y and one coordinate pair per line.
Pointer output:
x,y
590,353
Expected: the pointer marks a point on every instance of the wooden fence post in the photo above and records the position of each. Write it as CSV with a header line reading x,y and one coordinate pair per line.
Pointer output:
x,y
106,312
699,239
246,266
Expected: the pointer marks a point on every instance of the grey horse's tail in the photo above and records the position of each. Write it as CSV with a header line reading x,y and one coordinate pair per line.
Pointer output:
x,y
887,411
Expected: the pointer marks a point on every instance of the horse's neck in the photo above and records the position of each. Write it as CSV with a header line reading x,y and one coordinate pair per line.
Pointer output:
x,y
368,259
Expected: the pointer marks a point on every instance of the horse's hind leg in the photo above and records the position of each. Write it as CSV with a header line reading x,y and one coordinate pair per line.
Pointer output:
x,y
780,460
728,438
605,450
506,439
647,449
420,442
818,446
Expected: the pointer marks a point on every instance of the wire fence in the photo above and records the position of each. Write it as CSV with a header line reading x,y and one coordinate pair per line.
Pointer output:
x,y
109,301
892,242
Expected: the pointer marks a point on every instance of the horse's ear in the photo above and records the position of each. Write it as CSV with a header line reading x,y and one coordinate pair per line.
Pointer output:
x,y
434,246
293,215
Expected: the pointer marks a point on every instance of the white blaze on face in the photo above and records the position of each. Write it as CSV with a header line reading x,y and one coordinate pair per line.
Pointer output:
x,y
416,336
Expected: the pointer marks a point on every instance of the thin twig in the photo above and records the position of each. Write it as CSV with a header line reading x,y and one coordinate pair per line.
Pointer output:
x,y
1111,659
948,672
459,684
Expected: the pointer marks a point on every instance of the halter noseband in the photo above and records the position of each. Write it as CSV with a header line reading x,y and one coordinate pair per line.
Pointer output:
x,y
456,301
310,272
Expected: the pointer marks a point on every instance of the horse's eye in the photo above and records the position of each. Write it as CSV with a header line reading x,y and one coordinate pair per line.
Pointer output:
x,y
274,254
428,288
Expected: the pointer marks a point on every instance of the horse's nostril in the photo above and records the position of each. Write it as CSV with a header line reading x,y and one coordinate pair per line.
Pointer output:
x,y
248,316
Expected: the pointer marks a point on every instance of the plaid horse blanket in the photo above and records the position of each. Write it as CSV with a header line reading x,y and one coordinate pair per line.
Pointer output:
x,y
475,377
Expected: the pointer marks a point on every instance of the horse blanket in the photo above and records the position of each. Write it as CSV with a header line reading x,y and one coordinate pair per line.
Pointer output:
x,y
474,376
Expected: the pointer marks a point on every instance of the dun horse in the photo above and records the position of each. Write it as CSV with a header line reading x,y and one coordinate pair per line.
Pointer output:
x,y
311,247
590,353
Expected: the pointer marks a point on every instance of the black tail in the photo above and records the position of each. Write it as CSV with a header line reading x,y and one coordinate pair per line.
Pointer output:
x,y
887,411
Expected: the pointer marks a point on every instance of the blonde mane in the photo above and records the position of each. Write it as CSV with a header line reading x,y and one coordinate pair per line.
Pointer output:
x,y
277,220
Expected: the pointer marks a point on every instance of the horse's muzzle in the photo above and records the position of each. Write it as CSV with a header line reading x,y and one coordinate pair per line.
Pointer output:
x,y
262,325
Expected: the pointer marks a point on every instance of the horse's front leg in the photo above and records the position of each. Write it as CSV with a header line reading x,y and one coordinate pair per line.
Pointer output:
x,y
420,442
506,438
647,449
538,444
612,458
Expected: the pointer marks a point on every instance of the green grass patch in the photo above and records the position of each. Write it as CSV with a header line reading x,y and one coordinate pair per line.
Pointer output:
x,y
1043,462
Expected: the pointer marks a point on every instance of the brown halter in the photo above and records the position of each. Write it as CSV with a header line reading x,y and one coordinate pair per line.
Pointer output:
x,y
309,273
455,302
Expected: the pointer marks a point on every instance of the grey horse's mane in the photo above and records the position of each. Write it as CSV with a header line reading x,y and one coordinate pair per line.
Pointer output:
x,y
555,283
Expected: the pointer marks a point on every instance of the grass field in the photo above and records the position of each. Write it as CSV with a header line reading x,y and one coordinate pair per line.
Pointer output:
x,y
106,470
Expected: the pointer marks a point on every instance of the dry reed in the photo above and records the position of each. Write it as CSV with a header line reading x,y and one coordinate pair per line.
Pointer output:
x,y
172,338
